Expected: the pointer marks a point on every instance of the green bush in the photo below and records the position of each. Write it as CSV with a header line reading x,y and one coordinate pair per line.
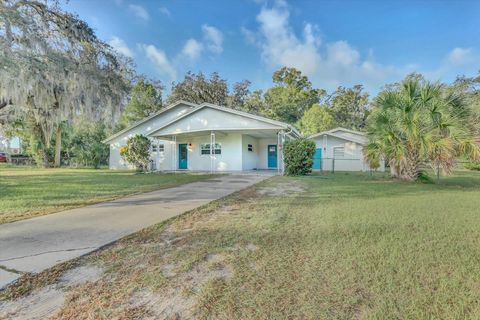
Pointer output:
x,y
85,147
473,166
298,157
137,152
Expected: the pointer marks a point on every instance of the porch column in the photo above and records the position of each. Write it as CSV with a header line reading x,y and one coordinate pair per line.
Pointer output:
x,y
174,153
157,164
280,143
212,152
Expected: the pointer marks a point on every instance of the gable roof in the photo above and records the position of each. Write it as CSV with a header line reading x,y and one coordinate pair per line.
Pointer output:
x,y
232,111
332,132
136,124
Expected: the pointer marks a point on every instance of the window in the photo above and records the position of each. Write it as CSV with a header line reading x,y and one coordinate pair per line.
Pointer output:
x,y
338,152
160,148
250,147
205,148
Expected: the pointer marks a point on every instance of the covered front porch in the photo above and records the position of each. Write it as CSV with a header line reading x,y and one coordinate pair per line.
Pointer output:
x,y
222,150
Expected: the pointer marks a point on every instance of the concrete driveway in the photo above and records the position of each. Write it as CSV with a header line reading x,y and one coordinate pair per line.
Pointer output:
x,y
36,244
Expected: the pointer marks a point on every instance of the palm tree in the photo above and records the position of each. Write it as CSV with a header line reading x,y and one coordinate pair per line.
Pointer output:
x,y
419,122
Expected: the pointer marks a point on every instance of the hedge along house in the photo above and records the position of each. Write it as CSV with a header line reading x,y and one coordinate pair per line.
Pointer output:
x,y
341,149
207,137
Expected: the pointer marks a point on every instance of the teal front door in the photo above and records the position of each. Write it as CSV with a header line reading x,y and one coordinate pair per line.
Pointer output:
x,y
272,156
182,156
317,159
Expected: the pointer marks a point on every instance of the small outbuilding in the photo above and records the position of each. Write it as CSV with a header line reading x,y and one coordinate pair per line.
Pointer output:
x,y
341,149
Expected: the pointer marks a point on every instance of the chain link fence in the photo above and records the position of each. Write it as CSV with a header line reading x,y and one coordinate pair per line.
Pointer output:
x,y
354,164
343,164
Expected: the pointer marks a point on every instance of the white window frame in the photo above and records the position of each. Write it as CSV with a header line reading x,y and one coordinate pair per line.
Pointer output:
x,y
206,147
161,148
250,147
339,152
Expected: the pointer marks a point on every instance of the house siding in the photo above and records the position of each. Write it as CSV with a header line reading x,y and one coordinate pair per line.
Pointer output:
x,y
249,158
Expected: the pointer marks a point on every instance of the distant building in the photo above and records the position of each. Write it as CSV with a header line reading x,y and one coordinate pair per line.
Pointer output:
x,y
11,145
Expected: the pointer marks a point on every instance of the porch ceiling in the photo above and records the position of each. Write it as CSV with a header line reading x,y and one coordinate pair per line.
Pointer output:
x,y
256,133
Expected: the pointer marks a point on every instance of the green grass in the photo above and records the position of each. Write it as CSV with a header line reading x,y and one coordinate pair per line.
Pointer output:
x,y
351,246
28,191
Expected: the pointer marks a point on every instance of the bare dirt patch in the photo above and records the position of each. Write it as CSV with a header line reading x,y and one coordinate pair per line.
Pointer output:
x,y
177,300
81,275
45,302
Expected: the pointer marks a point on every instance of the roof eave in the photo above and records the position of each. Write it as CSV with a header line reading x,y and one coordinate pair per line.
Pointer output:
x,y
136,124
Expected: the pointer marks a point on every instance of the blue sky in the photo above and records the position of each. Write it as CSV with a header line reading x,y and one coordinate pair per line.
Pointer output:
x,y
334,42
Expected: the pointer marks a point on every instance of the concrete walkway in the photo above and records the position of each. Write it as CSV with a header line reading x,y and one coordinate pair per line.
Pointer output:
x,y
39,243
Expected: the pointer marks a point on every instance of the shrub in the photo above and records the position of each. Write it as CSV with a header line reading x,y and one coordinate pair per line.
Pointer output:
x,y
86,147
137,152
473,166
298,157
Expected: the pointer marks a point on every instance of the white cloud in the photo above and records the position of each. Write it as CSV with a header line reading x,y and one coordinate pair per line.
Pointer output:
x,y
139,11
341,53
160,60
212,41
165,11
192,49
457,62
460,55
213,38
280,45
338,63
329,65
120,46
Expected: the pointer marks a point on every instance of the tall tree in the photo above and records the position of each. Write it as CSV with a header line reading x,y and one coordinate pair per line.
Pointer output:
x,y
54,68
241,91
254,103
419,122
196,88
316,119
350,107
470,88
145,100
291,96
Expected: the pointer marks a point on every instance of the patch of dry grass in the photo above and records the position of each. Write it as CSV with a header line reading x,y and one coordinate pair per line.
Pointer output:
x,y
335,246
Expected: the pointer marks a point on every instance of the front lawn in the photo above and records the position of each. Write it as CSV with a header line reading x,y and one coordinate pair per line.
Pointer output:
x,y
343,246
28,191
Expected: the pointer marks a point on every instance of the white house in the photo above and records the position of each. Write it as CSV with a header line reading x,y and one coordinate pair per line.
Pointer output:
x,y
207,137
341,150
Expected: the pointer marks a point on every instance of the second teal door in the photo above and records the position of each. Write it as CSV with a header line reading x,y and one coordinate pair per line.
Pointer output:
x,y
272,156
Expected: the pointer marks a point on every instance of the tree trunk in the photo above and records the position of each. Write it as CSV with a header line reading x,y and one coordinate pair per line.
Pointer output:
x,y
58,146
45,159
411,167
393,169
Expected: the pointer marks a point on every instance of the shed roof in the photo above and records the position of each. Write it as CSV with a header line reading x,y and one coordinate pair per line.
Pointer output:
x,y
354,136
